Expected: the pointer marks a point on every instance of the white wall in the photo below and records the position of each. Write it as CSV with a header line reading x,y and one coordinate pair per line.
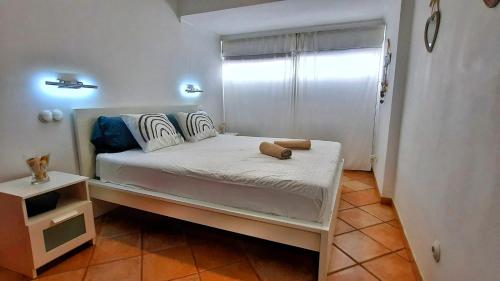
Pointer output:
x,y
448,174
399,18
392,11
136,51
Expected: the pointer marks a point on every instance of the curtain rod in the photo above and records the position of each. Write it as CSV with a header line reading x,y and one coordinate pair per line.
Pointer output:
x,y
368,23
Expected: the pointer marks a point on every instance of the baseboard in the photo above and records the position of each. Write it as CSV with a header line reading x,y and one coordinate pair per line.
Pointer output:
x,y
414,266
386,201
389,202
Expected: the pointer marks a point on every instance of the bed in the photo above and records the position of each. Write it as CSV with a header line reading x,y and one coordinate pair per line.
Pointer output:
x,y
222,182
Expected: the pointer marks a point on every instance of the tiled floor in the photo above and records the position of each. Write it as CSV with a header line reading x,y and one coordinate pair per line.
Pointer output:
x,y
133,246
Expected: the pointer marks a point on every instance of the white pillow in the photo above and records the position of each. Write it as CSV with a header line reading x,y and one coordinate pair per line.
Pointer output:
x,y
196,125
152,131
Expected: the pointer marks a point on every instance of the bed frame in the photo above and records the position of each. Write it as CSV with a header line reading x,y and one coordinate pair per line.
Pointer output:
x,y
304,234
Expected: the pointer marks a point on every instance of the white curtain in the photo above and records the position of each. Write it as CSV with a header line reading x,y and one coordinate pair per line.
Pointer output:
x,y
336,98
258,96
302,86
258,85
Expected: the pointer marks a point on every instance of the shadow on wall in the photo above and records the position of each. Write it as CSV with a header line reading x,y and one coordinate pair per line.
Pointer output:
x,y
174,6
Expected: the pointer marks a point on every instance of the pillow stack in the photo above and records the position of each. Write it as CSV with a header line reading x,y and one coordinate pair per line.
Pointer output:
x,y
150,131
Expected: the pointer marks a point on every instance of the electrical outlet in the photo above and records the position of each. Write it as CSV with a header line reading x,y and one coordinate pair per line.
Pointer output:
x,y
436,250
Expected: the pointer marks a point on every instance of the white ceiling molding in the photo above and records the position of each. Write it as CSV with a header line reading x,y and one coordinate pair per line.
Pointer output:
x,y
358,24
191,7
288,14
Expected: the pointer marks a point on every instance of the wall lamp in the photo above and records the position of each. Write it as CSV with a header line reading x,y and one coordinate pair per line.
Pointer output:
x,y
70,84
190,88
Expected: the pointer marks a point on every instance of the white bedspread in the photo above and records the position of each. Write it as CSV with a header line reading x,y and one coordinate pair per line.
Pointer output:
x,y
231,159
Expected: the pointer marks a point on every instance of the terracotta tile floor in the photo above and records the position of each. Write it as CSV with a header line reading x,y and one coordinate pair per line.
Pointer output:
x,y
134,245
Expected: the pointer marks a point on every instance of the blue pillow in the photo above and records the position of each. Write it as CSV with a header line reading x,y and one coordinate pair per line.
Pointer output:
x,y
173,120
111,135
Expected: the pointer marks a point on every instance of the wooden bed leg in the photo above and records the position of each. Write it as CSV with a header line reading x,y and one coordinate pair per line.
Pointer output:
x,y
324,255
325,247
327,235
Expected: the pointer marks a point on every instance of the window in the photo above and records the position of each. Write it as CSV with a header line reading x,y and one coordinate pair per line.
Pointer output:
x,y
301,86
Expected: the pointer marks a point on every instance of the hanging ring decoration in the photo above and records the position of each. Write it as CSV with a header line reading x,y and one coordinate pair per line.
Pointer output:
x,y
432,26
491,3
387,61
434,4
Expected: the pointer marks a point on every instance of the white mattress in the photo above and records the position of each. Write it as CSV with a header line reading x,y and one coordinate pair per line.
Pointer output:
x,y
229,170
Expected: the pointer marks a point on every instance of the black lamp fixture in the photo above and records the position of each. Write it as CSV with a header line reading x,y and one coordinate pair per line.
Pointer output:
x,y
70,84
190,88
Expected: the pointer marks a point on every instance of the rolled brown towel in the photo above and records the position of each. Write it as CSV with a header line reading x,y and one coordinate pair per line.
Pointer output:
x,y
274,150
295,144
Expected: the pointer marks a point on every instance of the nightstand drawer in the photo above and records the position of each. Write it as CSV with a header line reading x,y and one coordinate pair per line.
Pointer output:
x,y
61,231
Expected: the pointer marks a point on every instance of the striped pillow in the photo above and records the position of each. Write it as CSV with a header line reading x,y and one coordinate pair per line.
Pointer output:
x,y
152,131
196,125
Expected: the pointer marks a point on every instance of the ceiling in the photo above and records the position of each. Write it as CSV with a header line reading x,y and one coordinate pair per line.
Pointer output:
x,y
286,14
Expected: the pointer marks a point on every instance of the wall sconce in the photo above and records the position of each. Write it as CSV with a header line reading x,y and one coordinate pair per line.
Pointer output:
x,y
70,84
190,88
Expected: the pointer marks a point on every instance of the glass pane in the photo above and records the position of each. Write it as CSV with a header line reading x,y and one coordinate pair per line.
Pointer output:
x,y
336,100
256,70
258,96
63,232
339,66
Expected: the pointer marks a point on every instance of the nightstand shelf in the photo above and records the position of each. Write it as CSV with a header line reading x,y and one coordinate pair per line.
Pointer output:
x,y
29,242
63,207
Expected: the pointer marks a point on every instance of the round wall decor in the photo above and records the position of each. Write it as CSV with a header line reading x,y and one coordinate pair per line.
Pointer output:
x,y
431,30
491,3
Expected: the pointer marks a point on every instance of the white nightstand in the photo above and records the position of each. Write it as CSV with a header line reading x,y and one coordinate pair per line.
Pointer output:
x,y
27,243
231,134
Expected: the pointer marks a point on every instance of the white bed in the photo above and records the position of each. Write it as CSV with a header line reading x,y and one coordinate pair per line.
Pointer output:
x,y
293,201
230,171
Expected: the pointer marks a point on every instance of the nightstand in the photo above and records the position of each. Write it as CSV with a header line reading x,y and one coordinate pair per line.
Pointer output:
x,y
29,242
231,134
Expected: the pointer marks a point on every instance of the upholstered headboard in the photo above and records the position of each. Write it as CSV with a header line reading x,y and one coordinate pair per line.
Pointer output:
x,y
84,119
